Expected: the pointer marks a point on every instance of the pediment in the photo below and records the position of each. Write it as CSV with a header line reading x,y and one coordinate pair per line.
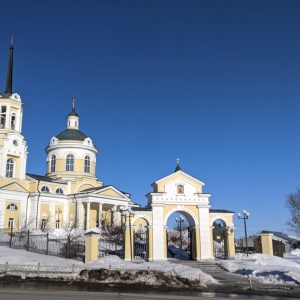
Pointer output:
x,y
178,178
111,192
14,187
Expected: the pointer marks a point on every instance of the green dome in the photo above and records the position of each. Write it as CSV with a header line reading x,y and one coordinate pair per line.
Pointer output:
x,y
73,113
71,134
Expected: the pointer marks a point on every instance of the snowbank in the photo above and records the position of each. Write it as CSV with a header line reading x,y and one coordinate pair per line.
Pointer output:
x,y
268,268
295,252
22,257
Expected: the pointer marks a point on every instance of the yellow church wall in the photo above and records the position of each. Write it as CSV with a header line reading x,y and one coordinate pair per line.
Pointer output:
x,y
140,222
109,192
79,165
14,109
80,185
193,209
45,209
72,211
60,216
84,187
93,216
60,166
106,215
15,214
227,217
13,188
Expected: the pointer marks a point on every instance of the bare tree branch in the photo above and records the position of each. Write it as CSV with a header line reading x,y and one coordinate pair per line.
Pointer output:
x,y
293,204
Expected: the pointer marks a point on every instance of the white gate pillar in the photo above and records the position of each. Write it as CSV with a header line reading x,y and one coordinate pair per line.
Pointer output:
x,y
204,231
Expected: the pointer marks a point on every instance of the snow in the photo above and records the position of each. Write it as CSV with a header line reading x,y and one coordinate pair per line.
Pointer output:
x,y
266,268
295,252
22,257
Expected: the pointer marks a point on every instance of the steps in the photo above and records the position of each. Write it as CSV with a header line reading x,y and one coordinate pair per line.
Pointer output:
x,y
205,266
216,271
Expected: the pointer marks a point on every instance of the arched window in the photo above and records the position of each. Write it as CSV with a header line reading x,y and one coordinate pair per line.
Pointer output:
x,y
87,164
70,162
180,189
10,168
12,206
59,191
45,189
53,163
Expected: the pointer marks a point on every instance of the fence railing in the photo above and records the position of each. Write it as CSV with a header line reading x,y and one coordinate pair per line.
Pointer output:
x,y
37,269
113,246
69,247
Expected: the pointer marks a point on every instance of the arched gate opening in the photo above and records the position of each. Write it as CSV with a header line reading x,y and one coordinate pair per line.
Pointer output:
x,y
181,236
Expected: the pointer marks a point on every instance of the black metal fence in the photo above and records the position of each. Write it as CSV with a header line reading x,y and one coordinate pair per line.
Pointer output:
x,y
69,247
140,246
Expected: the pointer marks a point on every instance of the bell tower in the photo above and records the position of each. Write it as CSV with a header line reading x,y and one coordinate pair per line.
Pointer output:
x,y
13,147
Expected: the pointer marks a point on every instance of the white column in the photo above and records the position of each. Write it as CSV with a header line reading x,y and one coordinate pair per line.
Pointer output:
x,y
80,217
100,215
158,233
114,214
51,215
8,117
204,229
87,221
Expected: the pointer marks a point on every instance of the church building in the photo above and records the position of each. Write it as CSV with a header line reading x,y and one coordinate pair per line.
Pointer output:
x,y
70,194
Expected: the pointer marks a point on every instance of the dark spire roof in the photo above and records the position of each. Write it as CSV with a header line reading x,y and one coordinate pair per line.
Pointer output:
x,y
8,89
177,166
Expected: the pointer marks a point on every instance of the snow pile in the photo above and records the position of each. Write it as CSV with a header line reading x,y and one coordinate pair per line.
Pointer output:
x,y
268,268
114,262
22,257
295,252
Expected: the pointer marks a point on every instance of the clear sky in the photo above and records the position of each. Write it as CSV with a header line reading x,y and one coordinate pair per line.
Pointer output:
x,y
215,83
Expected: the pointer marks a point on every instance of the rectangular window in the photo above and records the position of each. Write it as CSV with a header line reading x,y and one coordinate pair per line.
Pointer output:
x,y
11,223
44,222
57,224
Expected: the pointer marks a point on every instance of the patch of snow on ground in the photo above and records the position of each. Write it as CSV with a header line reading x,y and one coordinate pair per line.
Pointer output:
x,y
268,268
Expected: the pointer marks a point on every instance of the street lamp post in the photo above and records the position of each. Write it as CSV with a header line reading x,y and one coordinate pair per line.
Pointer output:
x,y
179,220
245,217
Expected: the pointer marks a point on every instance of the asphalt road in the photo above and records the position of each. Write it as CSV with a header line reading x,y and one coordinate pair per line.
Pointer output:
x,y
23,294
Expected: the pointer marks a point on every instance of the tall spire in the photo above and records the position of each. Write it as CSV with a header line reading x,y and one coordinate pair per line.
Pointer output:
x,y
8,89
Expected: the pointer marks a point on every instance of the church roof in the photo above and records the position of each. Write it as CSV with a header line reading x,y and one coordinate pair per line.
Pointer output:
x,y
43,178
71,134
224,211
73,113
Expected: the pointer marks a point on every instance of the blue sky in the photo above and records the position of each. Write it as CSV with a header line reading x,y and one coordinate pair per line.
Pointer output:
x,y
215,83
